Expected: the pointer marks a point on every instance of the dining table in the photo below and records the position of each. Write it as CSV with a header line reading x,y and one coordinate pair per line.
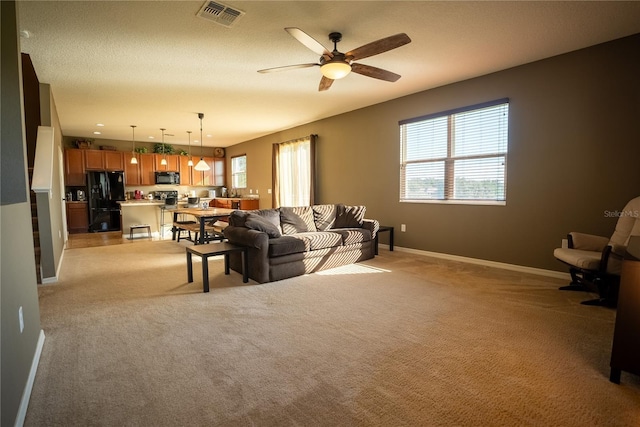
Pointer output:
x,y
202,216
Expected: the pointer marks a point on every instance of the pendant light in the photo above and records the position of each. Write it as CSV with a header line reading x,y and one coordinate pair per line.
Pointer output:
x,y
190,162
163,162
202,165
134,159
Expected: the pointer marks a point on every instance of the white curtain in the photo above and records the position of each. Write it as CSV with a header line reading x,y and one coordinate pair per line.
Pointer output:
x,y
293,163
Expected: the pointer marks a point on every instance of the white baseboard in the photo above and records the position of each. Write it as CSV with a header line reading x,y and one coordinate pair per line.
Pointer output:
x,y
54,279
26,394
487,263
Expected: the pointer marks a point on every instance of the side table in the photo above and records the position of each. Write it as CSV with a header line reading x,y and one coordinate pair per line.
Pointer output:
x,y
380,230
206,251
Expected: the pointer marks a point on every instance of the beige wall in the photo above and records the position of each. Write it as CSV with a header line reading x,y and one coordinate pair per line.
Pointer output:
x,y
573,153
18,286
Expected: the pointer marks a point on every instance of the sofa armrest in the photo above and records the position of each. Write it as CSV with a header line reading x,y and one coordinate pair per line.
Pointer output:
x,y
587,242
247,237
619,250
372,225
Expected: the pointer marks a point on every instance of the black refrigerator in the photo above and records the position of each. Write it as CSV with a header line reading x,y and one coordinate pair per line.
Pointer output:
x,y
105,190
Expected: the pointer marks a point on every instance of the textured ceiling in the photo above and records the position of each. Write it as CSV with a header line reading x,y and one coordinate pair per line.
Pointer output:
x,y
156,64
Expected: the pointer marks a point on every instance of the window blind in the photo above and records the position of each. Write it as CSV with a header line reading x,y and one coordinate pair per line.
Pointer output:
x,y
458,155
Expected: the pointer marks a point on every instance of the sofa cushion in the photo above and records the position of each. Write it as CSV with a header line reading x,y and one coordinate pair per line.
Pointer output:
x,y
286,245
296,220
352,235
349,216
324,216
261,223
321,239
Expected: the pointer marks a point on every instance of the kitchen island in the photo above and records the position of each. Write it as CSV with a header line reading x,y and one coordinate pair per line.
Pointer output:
x,y
153,212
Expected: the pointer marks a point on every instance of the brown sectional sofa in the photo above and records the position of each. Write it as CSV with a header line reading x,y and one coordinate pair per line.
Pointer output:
x,y
292,241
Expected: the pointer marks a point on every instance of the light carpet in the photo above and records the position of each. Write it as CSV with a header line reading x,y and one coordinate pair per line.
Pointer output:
x,y
397,340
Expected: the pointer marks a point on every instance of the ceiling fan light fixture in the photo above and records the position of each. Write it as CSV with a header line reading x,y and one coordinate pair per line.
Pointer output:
x,y
335,70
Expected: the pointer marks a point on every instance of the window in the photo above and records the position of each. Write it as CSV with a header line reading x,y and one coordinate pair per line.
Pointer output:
x,y
239,171
294,172
456,156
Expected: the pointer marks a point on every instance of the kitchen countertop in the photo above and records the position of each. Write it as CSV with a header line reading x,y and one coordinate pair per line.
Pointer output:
x,y
154,202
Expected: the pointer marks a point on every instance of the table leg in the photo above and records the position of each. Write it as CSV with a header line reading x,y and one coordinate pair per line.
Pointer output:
x,y
226,263
205,273
173,227
189,268
245,265
391,240
201,237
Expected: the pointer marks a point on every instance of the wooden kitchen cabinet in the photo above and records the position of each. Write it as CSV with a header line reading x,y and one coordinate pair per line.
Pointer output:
x,y
249,204
185,171
222,203
74,172
209,177
94,160
132,172
173,162
113,160
237,203
146,165
77,217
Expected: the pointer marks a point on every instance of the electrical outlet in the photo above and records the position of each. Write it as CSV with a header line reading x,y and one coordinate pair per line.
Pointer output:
x,y
403,227
21,319
269,191
251,191
257,191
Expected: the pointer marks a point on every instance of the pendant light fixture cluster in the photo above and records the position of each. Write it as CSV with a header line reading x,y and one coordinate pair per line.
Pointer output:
x,y
134,159
202,165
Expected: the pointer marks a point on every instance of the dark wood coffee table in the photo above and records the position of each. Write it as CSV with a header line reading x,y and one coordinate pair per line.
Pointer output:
x,y
213,249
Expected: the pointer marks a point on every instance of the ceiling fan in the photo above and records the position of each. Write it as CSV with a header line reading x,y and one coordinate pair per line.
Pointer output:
x,y
336,65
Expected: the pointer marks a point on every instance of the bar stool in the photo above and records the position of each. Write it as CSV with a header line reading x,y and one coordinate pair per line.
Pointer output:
x,y
139,226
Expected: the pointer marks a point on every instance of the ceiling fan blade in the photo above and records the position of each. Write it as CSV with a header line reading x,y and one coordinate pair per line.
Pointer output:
x,y
287,67
378,46
376,73
308,41
325,84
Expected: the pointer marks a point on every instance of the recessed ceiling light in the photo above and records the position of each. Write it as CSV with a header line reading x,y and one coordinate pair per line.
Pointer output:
x,y
97,133
99,124
209,135
152,137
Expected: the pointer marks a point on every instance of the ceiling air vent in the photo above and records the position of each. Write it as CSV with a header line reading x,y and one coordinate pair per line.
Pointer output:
x,y
220,13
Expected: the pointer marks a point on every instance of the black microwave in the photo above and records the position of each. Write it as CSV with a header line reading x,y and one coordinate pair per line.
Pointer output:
x,y
168,178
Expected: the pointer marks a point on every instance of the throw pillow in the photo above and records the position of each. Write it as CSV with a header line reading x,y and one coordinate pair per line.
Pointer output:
x,y
259,223
297,220
324,216
350,216
237,218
